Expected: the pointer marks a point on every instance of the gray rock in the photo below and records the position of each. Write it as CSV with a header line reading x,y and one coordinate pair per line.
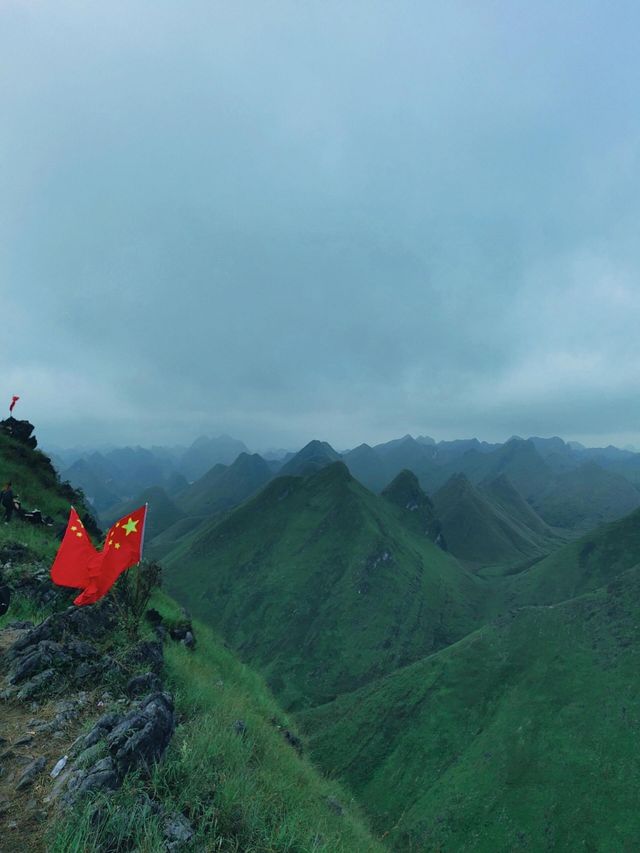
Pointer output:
x,y
36,659
144,734
143,684
134,741
148,653
178,831
102,776
36,684
30,773
85,671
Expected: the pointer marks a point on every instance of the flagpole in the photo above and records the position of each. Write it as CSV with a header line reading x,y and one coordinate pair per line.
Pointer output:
x,y
144,525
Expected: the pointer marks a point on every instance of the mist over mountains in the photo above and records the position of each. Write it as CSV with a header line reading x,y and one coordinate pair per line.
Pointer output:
x,y
565,485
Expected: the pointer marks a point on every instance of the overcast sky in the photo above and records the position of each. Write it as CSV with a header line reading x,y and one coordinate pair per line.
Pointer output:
x,y
337,220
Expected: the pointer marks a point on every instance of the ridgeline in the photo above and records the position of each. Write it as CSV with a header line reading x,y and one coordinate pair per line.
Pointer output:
x,y
157,739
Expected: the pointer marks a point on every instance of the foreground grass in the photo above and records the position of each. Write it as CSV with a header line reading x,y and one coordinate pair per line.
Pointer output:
x,y
246,792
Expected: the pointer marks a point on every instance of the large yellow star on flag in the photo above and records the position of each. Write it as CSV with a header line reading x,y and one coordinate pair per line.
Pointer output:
x,y
130,527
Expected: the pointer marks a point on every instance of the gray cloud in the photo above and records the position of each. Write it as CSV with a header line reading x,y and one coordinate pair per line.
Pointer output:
x,y
342,220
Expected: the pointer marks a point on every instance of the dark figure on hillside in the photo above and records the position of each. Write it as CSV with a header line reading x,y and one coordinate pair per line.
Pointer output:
x,y
6,499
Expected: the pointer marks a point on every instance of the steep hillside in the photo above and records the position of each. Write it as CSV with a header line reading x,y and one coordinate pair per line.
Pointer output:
x,y
368,467
516,459
417,508
519,737
100,492
579,567
585,497
162,512
313,457
565,491
205,452
408,453
489,526
224,487
502,493
317,582
35,482
158,743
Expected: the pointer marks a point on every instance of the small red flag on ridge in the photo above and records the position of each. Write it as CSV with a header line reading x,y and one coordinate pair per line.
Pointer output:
x,y
95,572
14,400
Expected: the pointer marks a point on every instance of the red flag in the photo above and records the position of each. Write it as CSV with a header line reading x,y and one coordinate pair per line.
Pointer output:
x,y
122,549
14,400
71,565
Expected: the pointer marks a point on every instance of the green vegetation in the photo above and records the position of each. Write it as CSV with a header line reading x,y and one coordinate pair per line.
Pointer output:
x,y
319,583
162,512
224,487
491,525
243,787
242,792
581,566
35,481
520,737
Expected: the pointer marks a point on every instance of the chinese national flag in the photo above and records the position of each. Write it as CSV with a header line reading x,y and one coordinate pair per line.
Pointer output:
x,y
71,565
79,565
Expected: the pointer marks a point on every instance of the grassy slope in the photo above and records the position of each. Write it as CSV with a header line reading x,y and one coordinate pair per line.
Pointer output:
x,y
580,566
585,497
318,583
224,487
162,514
523,736
34,480
482,528
242,794
179,533
251,794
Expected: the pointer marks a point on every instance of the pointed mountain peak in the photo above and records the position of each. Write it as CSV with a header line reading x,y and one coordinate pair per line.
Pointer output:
x,y
249,461
313,456
332,473
405,491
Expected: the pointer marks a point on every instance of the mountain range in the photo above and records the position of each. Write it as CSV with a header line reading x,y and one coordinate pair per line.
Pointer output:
x,y
458,644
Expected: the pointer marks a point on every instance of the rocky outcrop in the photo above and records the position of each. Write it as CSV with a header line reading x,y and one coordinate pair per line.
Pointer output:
x,y
133,741
53,652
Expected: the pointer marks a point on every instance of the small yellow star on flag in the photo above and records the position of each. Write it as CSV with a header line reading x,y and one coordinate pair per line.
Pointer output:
x,y
117,544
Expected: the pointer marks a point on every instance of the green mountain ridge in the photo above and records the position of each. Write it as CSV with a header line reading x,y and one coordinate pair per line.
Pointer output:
x,y
317,582
234,773
490,524
404,491
313,457
499,741
581,566
225,486
161,514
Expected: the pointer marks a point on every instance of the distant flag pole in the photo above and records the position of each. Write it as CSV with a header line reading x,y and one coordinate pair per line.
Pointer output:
x,y
14,400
